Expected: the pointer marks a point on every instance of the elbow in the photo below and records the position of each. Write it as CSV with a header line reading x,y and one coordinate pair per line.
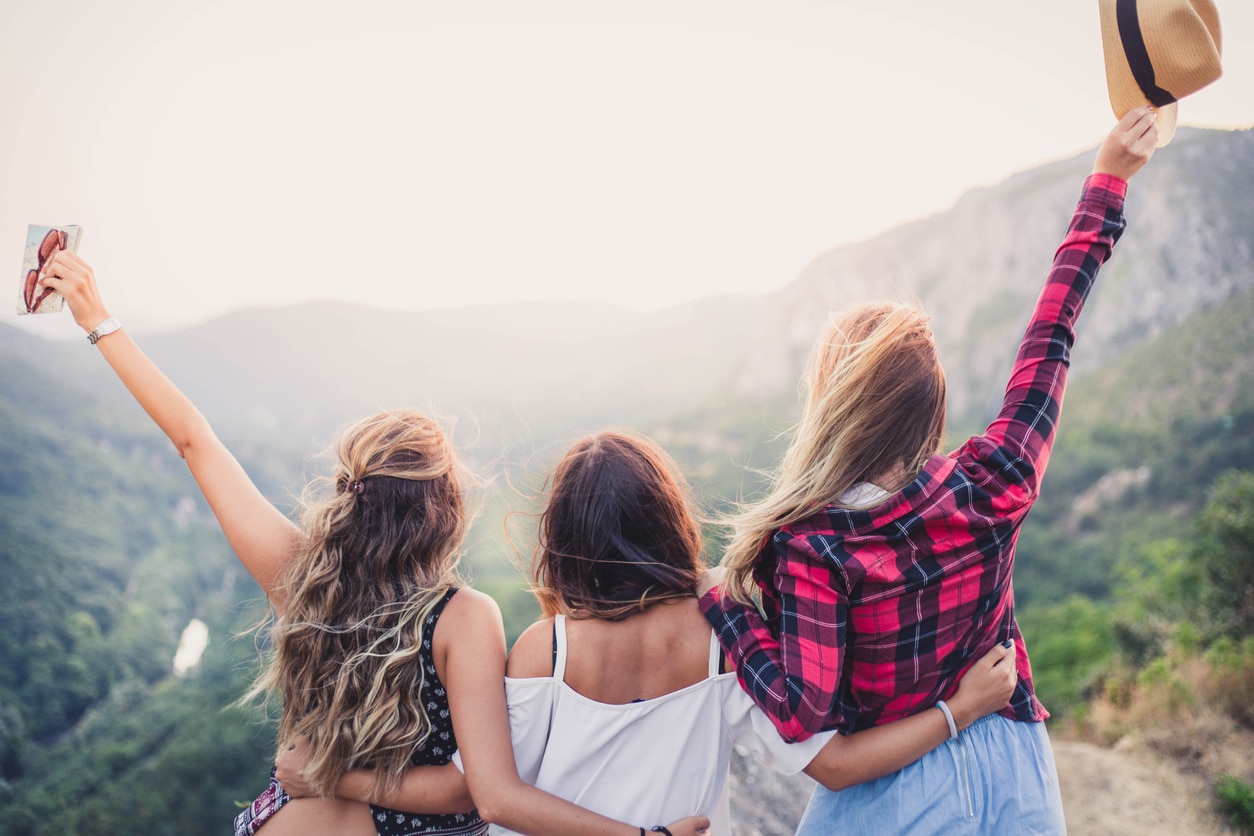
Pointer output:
x,y
795,727
490,811
188,441
837,783
801,711
831,770
489,802
833,778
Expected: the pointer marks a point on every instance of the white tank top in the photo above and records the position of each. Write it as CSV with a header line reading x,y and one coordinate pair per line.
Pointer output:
x,y
648,762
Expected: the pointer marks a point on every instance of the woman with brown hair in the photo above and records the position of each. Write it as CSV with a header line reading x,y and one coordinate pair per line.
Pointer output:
x,y
381,659
884,568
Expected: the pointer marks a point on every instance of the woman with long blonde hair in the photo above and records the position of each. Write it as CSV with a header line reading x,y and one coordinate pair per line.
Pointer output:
x,y
385,665
883,569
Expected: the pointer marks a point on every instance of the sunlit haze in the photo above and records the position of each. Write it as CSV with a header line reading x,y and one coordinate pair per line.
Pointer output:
x,y
432,154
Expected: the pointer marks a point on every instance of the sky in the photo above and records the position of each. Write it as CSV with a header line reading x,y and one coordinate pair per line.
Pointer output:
x,y
436,153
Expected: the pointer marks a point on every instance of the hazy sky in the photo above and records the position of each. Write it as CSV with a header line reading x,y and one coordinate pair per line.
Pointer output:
x,y
428,154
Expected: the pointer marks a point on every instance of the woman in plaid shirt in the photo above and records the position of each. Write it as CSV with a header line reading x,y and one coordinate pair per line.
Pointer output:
x,y
884,568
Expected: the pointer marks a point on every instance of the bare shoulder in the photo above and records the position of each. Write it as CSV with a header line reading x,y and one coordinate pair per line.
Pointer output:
x,y
468,614
532,654
469,637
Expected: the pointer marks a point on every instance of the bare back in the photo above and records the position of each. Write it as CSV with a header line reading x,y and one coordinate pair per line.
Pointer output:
x,y
664,649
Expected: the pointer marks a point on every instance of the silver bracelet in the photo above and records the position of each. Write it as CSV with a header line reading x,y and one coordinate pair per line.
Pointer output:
x,y
949,718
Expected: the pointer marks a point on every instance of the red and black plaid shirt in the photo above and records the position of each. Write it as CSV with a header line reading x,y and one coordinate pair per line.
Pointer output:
x,y
873,615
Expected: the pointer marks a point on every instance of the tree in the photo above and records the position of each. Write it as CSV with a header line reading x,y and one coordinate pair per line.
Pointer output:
x,y
1225,551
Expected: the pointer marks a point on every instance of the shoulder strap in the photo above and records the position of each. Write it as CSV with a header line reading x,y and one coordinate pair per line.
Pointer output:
x,y
559,647
438,609
716,655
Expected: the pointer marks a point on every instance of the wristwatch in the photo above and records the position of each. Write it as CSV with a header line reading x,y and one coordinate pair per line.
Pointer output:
x,y
104,329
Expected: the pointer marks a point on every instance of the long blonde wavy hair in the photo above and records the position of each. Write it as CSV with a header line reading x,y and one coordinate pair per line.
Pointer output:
x,y
382,540
874,408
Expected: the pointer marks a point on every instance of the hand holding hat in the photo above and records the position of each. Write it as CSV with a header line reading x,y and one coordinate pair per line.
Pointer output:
x,y
1129,145
1157,52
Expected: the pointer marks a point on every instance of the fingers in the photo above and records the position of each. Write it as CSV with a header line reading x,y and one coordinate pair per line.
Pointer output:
x,y
1003,652
1137,120
63,271
996,656
1008,667
710,578
62,261
291,780
1140,129
72,277
1145,141
1129,145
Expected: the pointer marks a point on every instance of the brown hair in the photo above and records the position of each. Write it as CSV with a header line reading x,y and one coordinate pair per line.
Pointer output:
x,y
617,533
382,539
874,408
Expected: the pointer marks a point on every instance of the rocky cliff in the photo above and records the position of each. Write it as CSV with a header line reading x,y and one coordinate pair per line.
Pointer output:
x,y
977,267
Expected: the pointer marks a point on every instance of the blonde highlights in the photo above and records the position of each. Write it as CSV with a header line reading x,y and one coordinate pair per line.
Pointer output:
x,y
382,539
874,410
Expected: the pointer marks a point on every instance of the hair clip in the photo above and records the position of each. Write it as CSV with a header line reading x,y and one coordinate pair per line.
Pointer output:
x,y
354,486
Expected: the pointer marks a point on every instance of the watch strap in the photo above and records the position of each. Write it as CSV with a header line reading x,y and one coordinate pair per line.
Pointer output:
x,y
103,330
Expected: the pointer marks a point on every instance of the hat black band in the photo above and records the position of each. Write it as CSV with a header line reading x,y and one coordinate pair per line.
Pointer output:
x,y
1137,55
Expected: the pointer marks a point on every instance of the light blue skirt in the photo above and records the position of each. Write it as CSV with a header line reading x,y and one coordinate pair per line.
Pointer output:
x,y
997,777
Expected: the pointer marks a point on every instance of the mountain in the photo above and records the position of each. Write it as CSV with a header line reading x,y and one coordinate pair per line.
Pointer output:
x,y
529,372
978,267
513,368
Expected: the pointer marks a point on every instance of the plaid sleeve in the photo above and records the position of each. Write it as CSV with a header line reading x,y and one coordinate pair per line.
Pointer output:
x,y
1015,448
793,676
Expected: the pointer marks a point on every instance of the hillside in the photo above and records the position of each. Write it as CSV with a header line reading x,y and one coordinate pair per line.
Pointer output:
x,y
106,557
977,267
515,371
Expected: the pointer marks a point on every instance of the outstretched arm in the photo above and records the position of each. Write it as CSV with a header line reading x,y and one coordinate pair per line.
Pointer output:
x,y
263,539
1014,451
469,651
863,756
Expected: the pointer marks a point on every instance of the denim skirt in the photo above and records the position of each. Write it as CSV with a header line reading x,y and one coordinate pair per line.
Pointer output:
x,y
998,776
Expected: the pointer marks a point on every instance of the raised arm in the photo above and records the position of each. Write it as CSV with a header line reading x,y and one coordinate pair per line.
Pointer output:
x,y
469,651
263,539
1014,451
873,753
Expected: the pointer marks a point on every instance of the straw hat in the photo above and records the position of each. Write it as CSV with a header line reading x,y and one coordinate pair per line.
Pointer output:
x,y
1158,51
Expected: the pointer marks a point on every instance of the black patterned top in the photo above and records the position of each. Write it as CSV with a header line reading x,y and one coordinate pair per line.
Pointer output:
x,y
437,751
